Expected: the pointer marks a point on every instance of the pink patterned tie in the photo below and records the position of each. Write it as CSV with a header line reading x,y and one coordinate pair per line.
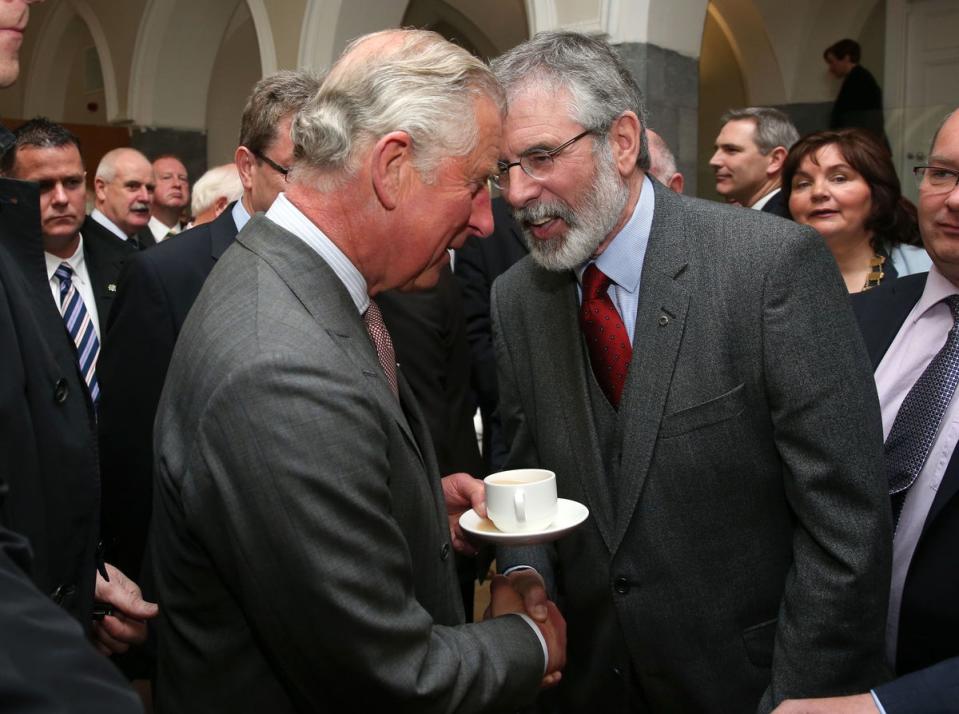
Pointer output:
x,y
380,336
609,348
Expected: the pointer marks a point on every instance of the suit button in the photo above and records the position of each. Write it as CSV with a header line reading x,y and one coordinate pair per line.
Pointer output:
x,y
621,585
617,672
62,593
61,391
445,551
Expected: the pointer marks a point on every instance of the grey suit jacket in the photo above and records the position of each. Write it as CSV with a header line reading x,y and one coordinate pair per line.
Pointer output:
x,y
739,551
300,534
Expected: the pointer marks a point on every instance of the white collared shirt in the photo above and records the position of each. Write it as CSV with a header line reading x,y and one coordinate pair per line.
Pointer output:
x,y
920,338
622,261
98,216
240,215
81,279
160,230
758,206
287,216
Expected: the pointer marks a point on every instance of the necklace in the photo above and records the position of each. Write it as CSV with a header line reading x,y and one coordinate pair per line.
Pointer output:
x,y
875,275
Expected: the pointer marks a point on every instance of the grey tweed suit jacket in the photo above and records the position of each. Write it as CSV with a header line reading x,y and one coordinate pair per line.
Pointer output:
x,y
739,550
299,529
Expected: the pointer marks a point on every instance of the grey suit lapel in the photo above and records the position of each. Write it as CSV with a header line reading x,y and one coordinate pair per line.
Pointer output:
x,y
566,369
325,297
660,320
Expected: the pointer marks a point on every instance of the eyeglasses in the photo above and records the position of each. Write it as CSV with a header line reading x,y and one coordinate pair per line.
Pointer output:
x,y
537,164
271,163
936,179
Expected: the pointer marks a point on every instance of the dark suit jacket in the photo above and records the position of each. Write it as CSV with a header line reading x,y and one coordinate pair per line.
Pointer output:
x,y
48,459
429,335
777,206
144,238
859,103
929,618
155,293
934,690
478,263
104,257
299,529
46,663
738,546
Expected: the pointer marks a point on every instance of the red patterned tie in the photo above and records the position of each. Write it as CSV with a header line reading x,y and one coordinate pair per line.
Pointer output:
x,y
606,336
380,336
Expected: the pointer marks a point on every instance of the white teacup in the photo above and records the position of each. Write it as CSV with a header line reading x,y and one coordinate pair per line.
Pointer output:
x,y
521,500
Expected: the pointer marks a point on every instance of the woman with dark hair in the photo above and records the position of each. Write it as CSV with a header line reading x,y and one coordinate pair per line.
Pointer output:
x,y
843,184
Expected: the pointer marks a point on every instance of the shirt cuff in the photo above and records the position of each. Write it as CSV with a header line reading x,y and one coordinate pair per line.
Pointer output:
x,y
875,700
542,640
517,567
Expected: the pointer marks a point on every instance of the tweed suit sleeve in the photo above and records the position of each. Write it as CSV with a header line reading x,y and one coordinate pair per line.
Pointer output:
x,y
828,432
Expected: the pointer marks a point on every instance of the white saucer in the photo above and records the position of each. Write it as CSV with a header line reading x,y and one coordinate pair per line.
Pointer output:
x,y
569,514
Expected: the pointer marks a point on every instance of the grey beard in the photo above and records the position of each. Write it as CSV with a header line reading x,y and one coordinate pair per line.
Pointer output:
x,y
588,227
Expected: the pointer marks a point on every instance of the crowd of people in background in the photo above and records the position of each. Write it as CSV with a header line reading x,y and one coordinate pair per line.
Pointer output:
x,y
238,416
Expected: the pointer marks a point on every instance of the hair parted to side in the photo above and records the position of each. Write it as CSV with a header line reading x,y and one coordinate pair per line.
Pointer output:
x,y
272,98
844,48
773,127
219,181
421,84
893,217
599,83
39,133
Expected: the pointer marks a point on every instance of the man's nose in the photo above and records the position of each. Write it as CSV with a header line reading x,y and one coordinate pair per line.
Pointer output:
x,y
521,188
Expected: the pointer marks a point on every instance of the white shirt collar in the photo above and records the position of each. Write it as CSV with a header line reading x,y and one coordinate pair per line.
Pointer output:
x,y
98,216
75,261
289,217
758,206
240,215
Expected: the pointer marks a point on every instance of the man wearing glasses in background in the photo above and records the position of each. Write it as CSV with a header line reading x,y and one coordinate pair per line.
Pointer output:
x,y
692,372
154,295
910,332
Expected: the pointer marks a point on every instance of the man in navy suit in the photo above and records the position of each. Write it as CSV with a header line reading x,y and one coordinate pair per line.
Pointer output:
x,y
155,294
906,325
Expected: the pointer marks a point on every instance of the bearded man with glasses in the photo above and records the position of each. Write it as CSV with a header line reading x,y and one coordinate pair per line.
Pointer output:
x,y
691,372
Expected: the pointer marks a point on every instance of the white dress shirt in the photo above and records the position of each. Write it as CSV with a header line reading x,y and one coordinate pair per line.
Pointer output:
x,y
81,278
160,230
98,216
921,336
758,206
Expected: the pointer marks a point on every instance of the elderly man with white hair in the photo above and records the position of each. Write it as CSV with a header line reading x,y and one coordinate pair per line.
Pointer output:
x,y
303,537
214,191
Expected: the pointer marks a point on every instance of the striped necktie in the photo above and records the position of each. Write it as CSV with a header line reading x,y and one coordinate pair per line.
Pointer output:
x,y
80,326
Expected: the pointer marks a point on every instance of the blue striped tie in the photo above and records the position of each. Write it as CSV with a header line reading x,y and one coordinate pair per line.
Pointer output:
x,y
80,326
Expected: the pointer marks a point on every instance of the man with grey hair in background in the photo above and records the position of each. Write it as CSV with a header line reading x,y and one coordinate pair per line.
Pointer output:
x,y
750,151
737,550
302,535
123,189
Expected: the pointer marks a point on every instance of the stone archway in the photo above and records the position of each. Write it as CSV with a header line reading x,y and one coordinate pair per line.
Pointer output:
x,y
57,45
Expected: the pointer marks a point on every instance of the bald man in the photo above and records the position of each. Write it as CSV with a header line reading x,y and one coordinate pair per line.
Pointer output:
x,y
124,186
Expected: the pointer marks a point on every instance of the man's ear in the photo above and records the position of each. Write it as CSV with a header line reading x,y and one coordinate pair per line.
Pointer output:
x,y
220,205
99,188
243,158
776,159
624,136
391,167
